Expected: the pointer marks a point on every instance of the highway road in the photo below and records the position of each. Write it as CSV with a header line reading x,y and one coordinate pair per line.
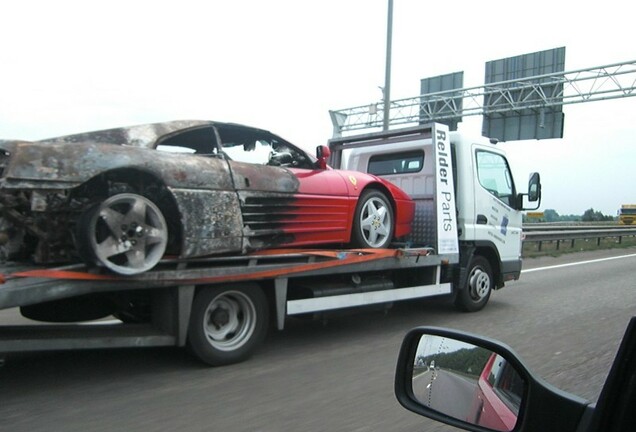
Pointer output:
x,y
565,321
446,392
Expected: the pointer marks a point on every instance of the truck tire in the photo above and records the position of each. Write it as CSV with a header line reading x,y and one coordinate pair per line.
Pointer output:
x,y
475,292
373,223
227,323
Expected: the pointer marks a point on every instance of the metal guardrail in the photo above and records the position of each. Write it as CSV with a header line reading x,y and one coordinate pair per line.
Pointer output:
x,y
558,234
552,226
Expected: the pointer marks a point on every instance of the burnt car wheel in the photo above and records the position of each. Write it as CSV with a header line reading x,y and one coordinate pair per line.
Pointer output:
x,y
127,233
373,221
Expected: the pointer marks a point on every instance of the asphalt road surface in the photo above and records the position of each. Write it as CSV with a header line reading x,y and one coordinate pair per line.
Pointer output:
x,y
564,321
446,392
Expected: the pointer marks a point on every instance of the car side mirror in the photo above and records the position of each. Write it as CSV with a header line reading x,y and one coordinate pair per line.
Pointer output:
x,y
322,154
477,384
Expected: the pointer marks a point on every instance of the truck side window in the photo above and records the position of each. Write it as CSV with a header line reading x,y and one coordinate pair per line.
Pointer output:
x,y
396,163
494,176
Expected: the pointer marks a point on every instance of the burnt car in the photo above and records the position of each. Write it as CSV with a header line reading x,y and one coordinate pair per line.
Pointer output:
x,y
124,198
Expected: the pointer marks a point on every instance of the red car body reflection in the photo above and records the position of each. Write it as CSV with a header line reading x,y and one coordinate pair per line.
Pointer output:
x,y
498,396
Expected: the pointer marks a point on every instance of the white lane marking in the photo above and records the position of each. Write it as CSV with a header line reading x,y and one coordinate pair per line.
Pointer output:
x,y
578,263
103,322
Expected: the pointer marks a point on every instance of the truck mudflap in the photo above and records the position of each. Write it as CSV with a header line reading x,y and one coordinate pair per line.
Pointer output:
x,y
510,270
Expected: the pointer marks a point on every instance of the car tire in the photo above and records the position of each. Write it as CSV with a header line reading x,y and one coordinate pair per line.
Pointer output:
x,y
126,233
373,222
227,323
478,286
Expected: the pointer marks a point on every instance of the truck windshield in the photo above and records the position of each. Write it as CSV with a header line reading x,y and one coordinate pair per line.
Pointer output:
x,y
494,175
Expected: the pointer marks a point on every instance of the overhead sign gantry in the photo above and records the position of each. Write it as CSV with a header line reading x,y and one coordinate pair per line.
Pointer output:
x,y
538,94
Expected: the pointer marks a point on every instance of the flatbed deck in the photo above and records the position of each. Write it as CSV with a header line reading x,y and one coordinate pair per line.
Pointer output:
x,y
24,285
299,282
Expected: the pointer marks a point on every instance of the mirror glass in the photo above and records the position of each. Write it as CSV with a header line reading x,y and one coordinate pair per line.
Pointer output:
x,y
534,187
467,382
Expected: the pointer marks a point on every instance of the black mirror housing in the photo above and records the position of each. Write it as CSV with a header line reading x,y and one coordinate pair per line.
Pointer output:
x,y
534,187
564,411
533,195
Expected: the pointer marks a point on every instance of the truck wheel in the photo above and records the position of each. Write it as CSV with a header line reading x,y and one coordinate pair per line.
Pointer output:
x,y
126,233
373,221
475,293
227,323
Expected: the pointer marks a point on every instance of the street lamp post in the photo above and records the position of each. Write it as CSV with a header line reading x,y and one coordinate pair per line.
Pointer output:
x,y
387,75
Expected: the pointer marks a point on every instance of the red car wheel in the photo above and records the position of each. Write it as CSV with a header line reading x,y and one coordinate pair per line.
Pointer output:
x,y
373,222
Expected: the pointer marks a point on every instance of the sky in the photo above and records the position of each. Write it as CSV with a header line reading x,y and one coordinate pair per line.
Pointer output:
x,y
71,66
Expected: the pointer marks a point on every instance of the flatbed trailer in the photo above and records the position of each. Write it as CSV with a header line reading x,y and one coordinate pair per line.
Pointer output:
x,y
220,307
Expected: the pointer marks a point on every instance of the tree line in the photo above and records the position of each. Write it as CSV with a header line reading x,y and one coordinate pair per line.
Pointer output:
x,y
469,361
590,215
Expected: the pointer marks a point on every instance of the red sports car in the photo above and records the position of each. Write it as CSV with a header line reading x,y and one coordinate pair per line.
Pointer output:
x,y
123,198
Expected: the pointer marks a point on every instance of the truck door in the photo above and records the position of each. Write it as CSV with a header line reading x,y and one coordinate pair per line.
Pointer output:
x,y
496,220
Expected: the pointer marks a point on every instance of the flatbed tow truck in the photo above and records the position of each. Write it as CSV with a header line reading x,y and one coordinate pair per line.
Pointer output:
x,y
221,307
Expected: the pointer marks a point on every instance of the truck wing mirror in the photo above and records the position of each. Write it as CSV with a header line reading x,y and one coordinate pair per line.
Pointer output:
x,y
478,384
533,195
322,154
534,187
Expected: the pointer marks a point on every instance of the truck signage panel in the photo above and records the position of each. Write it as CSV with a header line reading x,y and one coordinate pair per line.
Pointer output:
x,y
444,192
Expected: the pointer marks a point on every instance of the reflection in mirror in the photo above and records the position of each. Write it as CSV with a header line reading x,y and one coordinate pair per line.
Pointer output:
x,y
467,382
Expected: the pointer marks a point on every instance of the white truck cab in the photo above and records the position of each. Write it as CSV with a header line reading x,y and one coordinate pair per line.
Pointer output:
x,y
489,210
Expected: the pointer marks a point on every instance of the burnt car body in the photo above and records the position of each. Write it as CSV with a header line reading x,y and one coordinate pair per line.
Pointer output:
x,y
123,198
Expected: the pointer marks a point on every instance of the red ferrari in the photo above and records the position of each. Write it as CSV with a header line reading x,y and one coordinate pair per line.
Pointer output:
x,y
123,198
